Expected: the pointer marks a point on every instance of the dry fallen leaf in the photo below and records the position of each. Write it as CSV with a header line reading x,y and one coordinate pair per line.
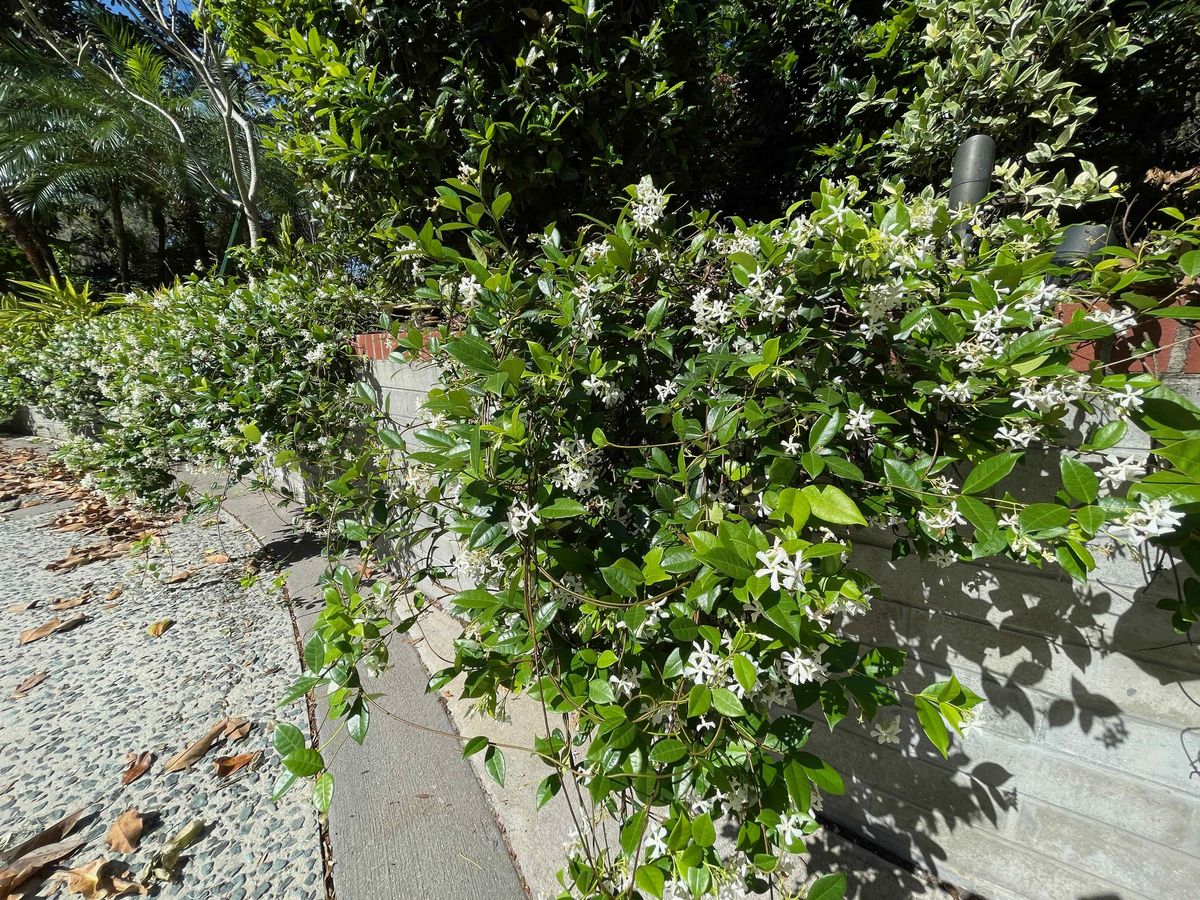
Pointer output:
x,y
25,865
161,866
29,684
187,758
237,728
227,765
22,607
216,558
114,593
56,624
71,602
136,766
49,835
100,879
181,575
125,832
156,629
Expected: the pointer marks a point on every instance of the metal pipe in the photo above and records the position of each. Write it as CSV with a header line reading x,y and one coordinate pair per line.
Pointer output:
x,y
1081,242
971,175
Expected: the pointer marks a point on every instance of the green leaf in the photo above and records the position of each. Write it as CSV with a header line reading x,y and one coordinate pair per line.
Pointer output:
x,y
902,475
726,703
744,671
654,315
304,762
302,686
1190,263
474,745
830,504
322,794
288,739
391,439
547,790
651,880
1043,516
473,353
667,751
563,508
284,782
828,887
796,779
703,832
494,764
600,691
932,723
699,700
1107,436
314,653
358,721
1079,479
792,507
624,577
988,472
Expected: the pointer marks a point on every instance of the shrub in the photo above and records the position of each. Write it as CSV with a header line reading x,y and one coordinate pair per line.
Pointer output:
x,y
247,375
655,447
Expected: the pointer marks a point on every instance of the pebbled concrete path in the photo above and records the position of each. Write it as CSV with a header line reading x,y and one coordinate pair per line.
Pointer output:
x,y
111,689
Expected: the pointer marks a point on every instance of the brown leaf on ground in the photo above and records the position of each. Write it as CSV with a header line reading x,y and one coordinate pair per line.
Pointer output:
x,y
25,865
29,684
71,602
114,593
29,635
216,558
187,758
81,556
156,629
180,576
52,834
125,833
237,728
22,607
227,765
100,879
136,766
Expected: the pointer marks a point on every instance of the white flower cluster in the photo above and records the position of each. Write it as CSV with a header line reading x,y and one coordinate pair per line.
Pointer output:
x,y
649,204
876,304
608,393
575,473
1153,518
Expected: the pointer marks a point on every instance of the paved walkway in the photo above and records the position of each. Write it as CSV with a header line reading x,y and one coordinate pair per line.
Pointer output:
x,y
111,689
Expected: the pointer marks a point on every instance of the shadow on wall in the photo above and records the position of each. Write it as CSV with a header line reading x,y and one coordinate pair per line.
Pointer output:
x,y
1087,745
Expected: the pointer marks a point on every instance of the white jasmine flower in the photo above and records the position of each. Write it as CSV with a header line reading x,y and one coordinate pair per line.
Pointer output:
x,y
521,516
858,422
701,665
791,829
801,669
956,392
1020,435
1121,320
1118,471
786,573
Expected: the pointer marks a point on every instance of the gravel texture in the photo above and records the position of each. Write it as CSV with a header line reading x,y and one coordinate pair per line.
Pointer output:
x,y
111,689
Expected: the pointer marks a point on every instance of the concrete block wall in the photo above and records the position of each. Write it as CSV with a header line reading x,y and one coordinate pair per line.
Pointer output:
x,y
1081,779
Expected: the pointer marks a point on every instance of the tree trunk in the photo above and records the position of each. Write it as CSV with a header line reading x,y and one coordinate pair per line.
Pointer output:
x,y
23,233
193,223
160,226
119,235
